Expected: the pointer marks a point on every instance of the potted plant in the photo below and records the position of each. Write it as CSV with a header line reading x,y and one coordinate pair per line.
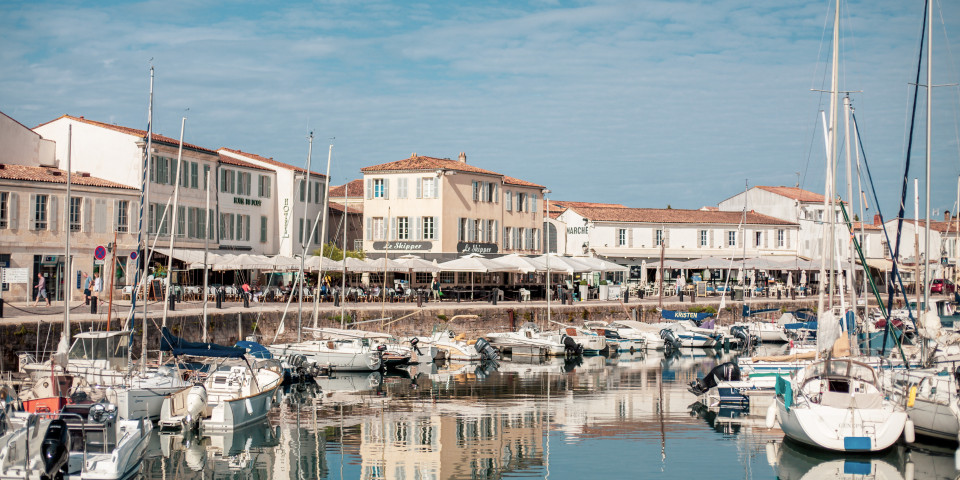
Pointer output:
x,y
584,290
604,292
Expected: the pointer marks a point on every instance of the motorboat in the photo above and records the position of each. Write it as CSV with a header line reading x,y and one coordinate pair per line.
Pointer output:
x,y
455,347
590,343
343,354
767,332
36,447
104,446
529,336
649,332
726,385
931,400
838,404
681,334
625,342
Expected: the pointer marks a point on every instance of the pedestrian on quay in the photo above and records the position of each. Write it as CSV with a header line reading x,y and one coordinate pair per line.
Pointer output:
x,y
436,289
41,290
86,288
97,288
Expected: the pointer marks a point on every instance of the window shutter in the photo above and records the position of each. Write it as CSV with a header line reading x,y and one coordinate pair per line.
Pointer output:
x,y
248,177
786,236
52,213
496,193
13,211
630,238
436,228
495,230
246,228
417,225
419,187
31,223
766,239
710,238
436,188
369,189
740,236
386,188
87,212
369,227
460,232
393,229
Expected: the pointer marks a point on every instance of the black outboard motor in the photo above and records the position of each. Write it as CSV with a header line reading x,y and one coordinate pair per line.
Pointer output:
x,y
741,333
380,349
56,449
486,351
670,340
413,344
725,372
571,347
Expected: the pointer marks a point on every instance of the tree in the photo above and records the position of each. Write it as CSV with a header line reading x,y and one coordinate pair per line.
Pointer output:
x,y
333,252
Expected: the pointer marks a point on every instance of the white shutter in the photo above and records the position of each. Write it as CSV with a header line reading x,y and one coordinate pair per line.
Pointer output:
x,y
31,223
630,237
436,188
393,229
369,188
386,188
766,239
86,206
417,233
419,187
495,231
52,213
666,237
496,193
786,234
13,211
710,239
116,215
436,228
461,235
369,228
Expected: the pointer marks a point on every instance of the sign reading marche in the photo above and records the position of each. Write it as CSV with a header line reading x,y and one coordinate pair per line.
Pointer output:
x,y
100,253
467,247
14,275
402,246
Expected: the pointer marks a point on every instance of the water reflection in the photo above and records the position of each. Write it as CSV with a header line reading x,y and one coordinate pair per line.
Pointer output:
x,y
535,418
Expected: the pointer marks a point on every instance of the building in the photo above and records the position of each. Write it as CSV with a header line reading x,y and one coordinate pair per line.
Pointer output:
x,y
555,231
441,208
36,217
346,205
291,224
793,205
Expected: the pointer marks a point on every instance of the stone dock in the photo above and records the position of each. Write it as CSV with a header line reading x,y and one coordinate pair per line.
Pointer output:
x,y
25,328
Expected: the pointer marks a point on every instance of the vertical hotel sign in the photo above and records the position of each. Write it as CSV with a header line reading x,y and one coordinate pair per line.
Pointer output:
x,y
286,218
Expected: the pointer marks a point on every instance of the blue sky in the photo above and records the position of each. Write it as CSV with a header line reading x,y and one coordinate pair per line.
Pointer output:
x,y
645,103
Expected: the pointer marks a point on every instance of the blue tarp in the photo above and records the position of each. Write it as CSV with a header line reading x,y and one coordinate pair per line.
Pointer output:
x,y
178,346
785,390
677,315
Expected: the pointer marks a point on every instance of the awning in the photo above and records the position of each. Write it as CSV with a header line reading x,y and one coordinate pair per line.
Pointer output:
x,y
880,264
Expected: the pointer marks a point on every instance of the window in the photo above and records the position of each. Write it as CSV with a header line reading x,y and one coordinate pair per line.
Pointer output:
x,y
379,189
521,202
403,228
123,216
781,241
263,187
40,213
206,175
194,174
622,237
476,191
263,226
491,233
703,238
732,238
303,190
429,187
181,220
462,229
4,210
316,194
508,199
427,226
757,236
75,219
378,233
223,180
507,236
162,170
185,174
658,240
533,203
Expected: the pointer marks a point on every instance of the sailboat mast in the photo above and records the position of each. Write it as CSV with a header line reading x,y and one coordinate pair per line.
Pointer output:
x,y
546,202
65,335
847,108
206,249
323,237
926,236
834,139
173,224
343,275
305,191
144,208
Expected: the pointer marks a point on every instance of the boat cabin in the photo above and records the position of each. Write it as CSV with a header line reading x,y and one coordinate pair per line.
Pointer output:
x,y
842,383
107,350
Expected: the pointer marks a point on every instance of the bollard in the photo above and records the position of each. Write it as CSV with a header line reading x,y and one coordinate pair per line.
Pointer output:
x,y
458,296
493,296
793,294
93,304
1,308
218,299
778,294
510,314
681,295
626,295
172,301
693,296
419,300
246,300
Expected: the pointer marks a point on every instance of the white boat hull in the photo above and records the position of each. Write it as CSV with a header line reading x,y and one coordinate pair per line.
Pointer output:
x,y
841,429
236,413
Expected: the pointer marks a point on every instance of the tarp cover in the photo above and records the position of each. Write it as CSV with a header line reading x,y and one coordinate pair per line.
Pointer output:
x,y
178,346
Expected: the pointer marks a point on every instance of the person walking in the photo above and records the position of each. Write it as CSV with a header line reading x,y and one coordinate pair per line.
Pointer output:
x,y
97,288
86,288
41,290
436,289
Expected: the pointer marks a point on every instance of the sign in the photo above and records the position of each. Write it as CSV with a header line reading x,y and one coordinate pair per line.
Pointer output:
x,y
403,246
79,277
99,261
133,255
467,247
577,230
100,253
286,218
15,275
246,201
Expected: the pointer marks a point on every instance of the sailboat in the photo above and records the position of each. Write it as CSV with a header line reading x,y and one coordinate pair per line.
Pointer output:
x,y
835,403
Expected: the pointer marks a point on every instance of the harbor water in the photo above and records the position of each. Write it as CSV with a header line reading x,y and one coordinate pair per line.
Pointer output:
x,y
595,417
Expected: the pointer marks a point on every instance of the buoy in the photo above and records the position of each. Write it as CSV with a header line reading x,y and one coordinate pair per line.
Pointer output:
x,y
771,454
908,471
772,415
912,396
909,435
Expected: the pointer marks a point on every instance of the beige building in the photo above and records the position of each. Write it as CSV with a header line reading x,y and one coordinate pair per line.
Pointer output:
x,y
346,205
441,208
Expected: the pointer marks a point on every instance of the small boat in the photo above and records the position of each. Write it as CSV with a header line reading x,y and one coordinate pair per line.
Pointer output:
x,y
456,347
530,336
618,341
345,354
681,334
104,446
33,447
649,332
931,400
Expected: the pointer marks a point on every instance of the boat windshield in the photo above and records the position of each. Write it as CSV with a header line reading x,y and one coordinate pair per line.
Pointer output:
x,y
842,368
112,349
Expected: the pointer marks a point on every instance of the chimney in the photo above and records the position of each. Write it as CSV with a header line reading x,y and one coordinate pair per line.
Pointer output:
x,y
463,157
946,215
876,219
413,155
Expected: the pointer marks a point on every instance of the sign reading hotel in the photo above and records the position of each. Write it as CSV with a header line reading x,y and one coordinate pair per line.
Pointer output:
x,y
402,246
465,247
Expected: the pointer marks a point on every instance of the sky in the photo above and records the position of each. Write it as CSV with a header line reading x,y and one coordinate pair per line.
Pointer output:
x,y
644,103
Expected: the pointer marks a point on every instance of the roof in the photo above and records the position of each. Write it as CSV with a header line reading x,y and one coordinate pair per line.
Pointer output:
x,y
354,188
795,193
866,226
353,209
674,215
420,162
557,207
133,132
240,163
268,161
54,175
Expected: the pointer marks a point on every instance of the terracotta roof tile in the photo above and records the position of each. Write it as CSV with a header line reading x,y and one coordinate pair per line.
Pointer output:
x,y
268,161
54,175
564,203
795,193
674,215
419,162
866,226
516,181
240,163
354,188
353,209
134,132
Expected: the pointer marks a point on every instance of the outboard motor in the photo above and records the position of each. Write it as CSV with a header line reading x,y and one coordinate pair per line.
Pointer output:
x,y
670,340
571,347
196,407
413,344
725,372
486,351
380,349
741,333
56,448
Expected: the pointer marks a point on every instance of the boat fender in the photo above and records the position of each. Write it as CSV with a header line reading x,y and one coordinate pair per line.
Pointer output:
x,y
912,396
772,415
956,460
909,434
771,449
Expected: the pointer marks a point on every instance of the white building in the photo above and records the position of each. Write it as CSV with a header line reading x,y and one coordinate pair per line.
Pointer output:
x,y
247,207
289,198
793,205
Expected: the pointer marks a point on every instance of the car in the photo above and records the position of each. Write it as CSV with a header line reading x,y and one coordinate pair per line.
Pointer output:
x,y
942,286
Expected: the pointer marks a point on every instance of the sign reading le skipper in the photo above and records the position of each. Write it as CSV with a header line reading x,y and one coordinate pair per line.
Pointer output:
x,y
401,246
469,247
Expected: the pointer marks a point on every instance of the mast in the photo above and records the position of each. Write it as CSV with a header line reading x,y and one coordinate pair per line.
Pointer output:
x,y
546,202
144,208
303,239
926,236
323,235
662,254
206,249
829,206
65,335
847,108
113,275
173,224
343,275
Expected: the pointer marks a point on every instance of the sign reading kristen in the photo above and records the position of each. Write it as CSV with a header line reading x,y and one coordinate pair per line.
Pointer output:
x,y
467,247
402,246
